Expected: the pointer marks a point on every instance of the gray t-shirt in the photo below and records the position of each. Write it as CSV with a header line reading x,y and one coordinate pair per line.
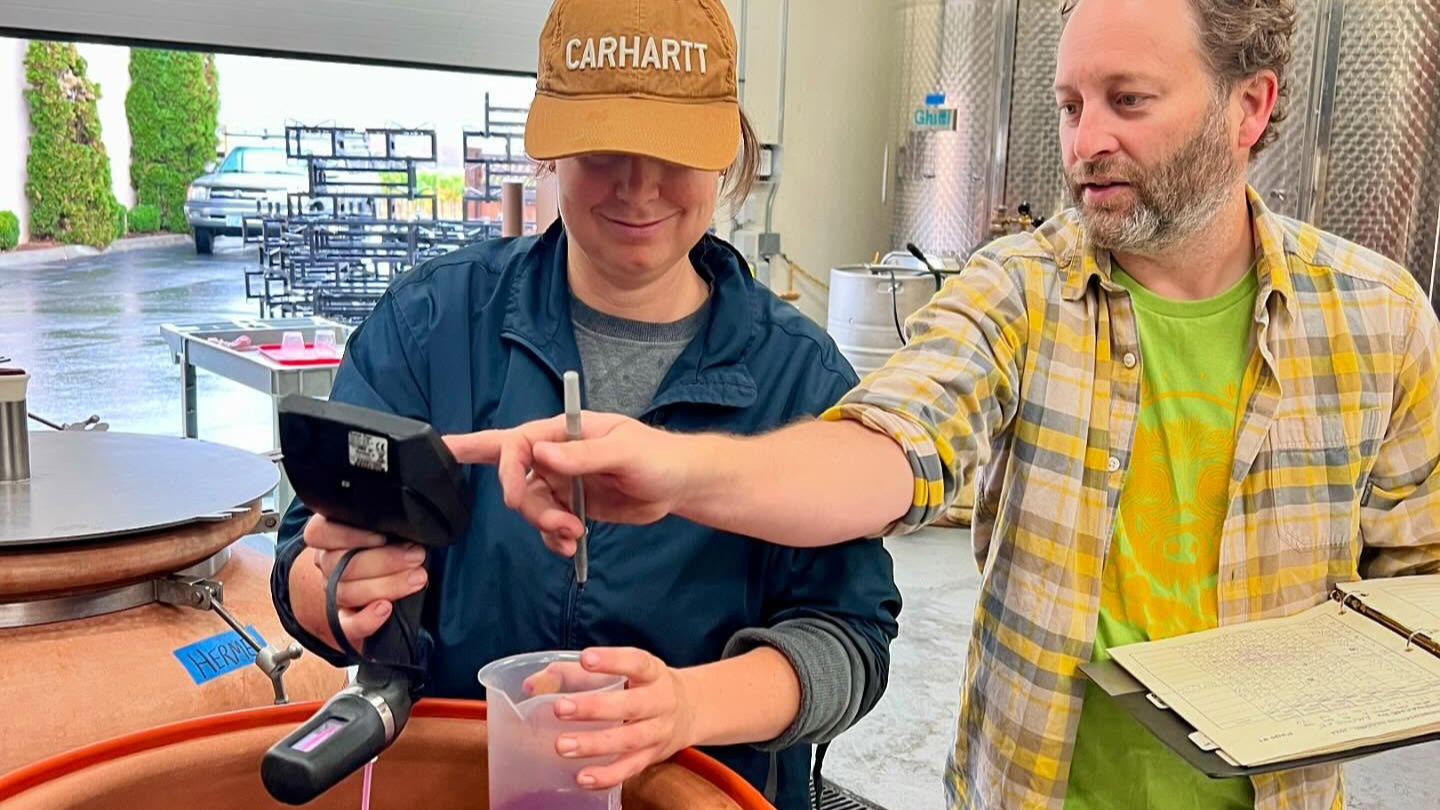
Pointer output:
x,y
625,361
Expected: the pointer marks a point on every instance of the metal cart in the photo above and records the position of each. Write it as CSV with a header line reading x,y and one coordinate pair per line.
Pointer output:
x,y
194,346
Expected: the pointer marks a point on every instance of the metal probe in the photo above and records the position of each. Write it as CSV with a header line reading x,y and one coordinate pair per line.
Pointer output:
x,y
577,485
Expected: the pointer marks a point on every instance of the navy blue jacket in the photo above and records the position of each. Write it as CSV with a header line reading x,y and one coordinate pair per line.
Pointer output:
x,y
479,339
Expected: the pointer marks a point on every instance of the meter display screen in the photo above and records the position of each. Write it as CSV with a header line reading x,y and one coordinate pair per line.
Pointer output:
x,y
323,732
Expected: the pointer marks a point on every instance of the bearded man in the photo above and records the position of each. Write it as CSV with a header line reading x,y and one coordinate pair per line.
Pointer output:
x,y
1192,412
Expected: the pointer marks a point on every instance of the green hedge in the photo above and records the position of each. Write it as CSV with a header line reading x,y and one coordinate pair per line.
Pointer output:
x,y
173,107
446,186
9,230
144,219
68,171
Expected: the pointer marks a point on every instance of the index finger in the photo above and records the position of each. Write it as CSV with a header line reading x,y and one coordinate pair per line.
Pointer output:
x,y
482,447
327,535
487,446
561,676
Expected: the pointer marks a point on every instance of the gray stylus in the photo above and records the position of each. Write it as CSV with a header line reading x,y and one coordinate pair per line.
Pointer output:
x,y
577,485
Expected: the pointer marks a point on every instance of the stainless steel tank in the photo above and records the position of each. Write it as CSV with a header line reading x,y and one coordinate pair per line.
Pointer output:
x,y
1359,155
1379,150
942,189
868,306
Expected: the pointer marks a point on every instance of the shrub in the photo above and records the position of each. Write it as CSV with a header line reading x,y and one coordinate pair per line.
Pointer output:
x,y
173,107
9,230
446,186
68,171
144,219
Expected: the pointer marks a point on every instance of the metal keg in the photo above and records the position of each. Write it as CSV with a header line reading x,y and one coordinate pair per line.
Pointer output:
x,y
868,307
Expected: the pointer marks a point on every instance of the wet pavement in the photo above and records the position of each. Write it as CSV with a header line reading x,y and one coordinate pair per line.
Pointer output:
x,y
88,330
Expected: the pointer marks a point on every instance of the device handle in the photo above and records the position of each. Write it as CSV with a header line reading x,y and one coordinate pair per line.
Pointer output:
x,y
397,643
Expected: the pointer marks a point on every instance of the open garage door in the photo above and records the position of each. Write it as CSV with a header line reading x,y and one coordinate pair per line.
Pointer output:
x,y
482,35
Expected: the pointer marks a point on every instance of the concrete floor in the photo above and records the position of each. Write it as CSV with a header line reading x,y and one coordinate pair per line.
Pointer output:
x,y
895,757
88,330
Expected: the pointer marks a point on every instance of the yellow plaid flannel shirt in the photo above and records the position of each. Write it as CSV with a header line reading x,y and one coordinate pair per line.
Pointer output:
x,y
1028,365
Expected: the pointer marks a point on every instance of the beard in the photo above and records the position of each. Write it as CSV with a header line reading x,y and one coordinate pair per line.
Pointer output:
x,y
1167,203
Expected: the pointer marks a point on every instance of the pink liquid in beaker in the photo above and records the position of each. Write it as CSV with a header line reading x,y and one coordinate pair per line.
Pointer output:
x,y
556,800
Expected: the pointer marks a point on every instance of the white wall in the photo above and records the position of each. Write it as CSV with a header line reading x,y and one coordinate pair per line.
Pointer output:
x,y
14,132
840,81
109,67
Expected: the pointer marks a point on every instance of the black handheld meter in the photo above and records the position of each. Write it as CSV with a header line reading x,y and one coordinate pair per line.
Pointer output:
x,y
390,475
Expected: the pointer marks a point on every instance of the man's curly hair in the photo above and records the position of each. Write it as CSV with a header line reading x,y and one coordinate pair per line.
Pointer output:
x,y
1240,38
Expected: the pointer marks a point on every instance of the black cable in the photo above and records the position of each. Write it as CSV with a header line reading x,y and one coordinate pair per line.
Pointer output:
x,y
895,306
342,642
817,778
332,607
924,260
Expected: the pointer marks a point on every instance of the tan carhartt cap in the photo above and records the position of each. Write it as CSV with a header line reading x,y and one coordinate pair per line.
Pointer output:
x,y
643,77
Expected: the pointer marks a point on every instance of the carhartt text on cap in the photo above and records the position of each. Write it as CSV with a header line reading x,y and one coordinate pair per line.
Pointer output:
x,y
679,55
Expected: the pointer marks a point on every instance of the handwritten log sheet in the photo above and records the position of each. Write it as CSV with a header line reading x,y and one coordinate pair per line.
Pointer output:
x,y
1280,689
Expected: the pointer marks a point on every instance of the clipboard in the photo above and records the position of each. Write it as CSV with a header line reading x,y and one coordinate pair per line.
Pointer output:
x,y
1171,728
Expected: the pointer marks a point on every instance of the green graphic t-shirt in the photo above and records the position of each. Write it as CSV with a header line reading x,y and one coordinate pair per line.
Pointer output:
x,y
1160,575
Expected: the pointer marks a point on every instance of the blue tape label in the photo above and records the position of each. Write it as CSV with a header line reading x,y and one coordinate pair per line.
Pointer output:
x,y
221,654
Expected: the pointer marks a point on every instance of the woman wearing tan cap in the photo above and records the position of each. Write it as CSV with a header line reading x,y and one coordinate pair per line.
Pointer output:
x,y
752,650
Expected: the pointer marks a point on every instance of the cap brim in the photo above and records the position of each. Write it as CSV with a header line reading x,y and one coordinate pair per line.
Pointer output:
x,y
699,135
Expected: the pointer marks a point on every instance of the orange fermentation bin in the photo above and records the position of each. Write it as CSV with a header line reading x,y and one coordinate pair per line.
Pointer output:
x,y
438,763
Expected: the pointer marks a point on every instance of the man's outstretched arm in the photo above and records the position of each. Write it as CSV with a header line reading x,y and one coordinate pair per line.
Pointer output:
x,y
762,486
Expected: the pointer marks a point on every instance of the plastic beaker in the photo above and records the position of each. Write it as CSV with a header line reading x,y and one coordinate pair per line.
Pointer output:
x,y
292,343
525,771
325,342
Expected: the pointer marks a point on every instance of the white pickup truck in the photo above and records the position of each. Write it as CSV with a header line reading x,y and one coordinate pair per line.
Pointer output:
x,y
251,181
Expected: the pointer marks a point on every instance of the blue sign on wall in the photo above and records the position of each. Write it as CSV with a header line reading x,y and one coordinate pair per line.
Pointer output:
x,y
221,654
932,118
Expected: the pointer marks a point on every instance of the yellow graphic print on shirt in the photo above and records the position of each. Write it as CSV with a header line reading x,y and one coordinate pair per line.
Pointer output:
x,y
1162,568
1174,499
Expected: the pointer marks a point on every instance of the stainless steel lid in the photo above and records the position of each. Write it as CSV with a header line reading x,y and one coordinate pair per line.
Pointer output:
x,y
91,485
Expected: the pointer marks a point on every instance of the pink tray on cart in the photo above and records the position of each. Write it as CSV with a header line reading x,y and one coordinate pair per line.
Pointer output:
x,y
309,356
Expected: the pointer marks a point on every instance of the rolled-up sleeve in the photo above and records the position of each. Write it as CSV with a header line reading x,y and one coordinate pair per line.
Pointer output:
x,y
954,385
831,669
